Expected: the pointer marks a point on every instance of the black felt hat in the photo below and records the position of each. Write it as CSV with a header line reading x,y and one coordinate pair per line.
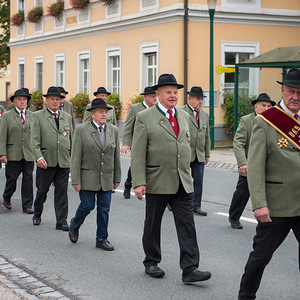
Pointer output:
x,y
292,78
62,90
101,90
196,91
148,90
167,79
20,92
263,97
53,91
98,102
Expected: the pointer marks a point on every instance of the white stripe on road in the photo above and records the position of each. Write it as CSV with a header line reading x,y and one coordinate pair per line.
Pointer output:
x,y
250,220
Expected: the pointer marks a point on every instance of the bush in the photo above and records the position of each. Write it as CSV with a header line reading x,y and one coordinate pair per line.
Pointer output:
x,y
114,100
35,14
79,4
18,18
80,101
244,108
55,9
37,100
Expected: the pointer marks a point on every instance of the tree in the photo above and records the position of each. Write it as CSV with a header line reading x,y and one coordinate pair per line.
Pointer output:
x,y
4,33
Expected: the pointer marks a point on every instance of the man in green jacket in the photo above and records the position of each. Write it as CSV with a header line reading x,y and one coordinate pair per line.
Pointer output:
x,y
241,143
52,141
111,115
149,95
273,178
16,150
200,143
95,171
160,165
66,105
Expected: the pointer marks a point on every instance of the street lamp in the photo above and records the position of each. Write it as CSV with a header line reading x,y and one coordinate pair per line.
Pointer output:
x,y
211,9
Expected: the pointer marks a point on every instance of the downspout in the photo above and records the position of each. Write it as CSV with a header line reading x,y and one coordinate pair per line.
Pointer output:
x,y
185,49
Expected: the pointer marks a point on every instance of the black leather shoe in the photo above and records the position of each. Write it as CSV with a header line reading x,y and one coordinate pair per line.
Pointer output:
x,y
195,276
126,192
105,245
73,233
154,271
28,211
36,220
200,212
63,227
7,204
235,224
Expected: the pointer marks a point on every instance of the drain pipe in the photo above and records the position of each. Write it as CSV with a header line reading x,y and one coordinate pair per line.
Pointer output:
x,y
185,49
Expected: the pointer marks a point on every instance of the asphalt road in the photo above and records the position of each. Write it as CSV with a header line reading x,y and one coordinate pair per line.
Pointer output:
x,y
81,271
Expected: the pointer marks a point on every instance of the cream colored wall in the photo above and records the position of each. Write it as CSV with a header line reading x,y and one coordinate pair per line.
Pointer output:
x,y
198,52
4,78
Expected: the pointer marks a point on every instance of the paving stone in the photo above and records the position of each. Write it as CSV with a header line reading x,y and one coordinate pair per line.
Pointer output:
x,y
54,294
42,290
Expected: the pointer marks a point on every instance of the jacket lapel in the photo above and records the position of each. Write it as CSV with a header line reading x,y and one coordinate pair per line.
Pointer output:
x,y
95,135
180,122
18,119
164,122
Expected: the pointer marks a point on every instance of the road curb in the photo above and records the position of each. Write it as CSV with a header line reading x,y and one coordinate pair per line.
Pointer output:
x,y
25,285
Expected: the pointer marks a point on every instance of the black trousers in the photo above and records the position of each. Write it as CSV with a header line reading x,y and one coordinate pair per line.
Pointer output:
x,y
13,169
182,208
128,182
268,238
44,178
239,199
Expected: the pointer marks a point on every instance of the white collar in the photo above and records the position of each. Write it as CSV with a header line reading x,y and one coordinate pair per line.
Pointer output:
x,y
19,111
165,110
103,126
145,104
286,109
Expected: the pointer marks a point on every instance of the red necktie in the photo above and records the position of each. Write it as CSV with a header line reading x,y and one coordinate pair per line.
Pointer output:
x,y
100,128
173,122
55,116
22,117
197,116
296,116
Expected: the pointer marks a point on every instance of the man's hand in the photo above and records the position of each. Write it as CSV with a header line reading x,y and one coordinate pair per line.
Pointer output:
x,y
243,170
115,185
140,191
125,149
206,160
42,163
3,159
262,214
77,187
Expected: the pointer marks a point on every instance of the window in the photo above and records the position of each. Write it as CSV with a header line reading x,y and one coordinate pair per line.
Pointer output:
x,y
114,9
21,72
84,72
148,4
149,64
39,73
60,69
237,52
114,70
21,5
241,3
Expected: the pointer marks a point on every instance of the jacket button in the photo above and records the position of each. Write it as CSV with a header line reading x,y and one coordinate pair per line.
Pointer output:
x,y
178,155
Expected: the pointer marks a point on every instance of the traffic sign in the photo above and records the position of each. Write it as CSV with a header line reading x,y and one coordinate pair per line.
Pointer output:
x,y
220,69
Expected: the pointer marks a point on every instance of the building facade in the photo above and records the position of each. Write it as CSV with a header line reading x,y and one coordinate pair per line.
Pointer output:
x,y
125,46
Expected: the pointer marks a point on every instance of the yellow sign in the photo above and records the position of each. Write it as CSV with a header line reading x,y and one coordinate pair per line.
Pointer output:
x,y
220,69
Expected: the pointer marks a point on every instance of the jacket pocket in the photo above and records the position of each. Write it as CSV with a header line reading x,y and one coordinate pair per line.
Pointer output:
x,y
273,182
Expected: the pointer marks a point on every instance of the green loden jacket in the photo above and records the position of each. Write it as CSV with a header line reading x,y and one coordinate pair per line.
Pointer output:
x,y
68,108
200,137
92,165
241,139
273,172
129,123
15,141
49,142
160,160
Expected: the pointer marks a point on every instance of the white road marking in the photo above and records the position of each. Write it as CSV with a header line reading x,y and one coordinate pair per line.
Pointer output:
x,y
250,220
